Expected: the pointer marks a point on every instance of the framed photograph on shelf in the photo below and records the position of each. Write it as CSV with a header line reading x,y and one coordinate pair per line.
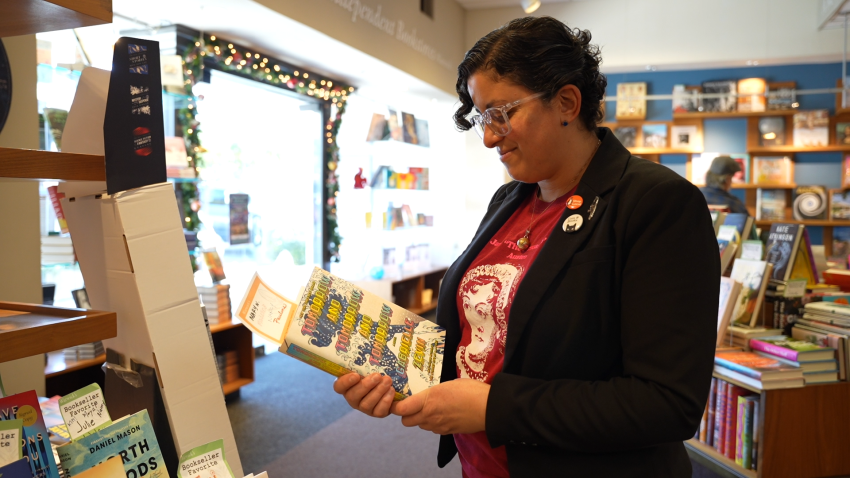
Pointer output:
x,y
654,135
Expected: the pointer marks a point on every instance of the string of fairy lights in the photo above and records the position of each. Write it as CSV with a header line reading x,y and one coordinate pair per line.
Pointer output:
x,y
251,64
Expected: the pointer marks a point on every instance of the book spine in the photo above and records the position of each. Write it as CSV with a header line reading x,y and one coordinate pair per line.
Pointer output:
x,y
55,197
719,416
737,368
703,425
755,435
712,398
769,348
747,448
740,431
732,392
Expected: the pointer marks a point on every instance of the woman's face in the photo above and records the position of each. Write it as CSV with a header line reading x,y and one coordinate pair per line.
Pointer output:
x,y
529,151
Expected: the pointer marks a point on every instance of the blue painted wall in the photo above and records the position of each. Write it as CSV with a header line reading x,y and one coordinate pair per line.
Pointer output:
x,y
729,135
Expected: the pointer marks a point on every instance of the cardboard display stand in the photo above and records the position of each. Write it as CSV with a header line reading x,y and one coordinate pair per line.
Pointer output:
x,y
132,255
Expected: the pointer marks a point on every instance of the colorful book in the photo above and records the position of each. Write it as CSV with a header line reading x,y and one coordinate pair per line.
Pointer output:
x,y
810,202
756,366
751,94
783,241
732,394
753,276
631,100
132,437
745,432
811,128
720,416
770,204
36,444
726,96
839,205
755,435
772,170
839,342
792,349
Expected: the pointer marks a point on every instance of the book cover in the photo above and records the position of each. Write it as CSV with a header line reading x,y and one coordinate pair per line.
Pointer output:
x,y
631,100
132,437
719,96
755,435
378,128
783,241
205,461
842,133
339,328
772,131
753,276
627,135
732,394
712,399
729,292
36,445
11,437
739,431
239,232
810,202
804,266
748,408
751,94
772,170
720,415
792,349
781,95
743,223
770,204
111,468
839,205
811,128
16,469
654,135
757,366
686,98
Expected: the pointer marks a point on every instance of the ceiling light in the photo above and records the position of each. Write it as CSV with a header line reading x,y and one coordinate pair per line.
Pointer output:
x,y
530,5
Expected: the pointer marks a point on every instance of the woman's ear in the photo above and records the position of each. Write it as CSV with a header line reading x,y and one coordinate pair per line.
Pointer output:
x,y
568,102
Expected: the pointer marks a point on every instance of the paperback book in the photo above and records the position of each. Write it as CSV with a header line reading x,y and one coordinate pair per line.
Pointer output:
x,y
792,349
770,204
36,445
751,94
839,205
753,276
686,98
772,170
723,95
811,128
810,202
16,469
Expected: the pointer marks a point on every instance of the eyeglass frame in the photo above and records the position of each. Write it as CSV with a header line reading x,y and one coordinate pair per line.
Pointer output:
x,y
504,111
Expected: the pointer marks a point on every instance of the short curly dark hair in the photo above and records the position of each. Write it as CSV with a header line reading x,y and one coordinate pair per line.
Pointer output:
x,y
541,54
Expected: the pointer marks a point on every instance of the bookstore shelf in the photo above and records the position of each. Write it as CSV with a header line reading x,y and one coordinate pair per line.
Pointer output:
x,y
736,382
810,222
733,114
24,17
703,453
639,150
764,186
58,365
35,164
830,148
27,329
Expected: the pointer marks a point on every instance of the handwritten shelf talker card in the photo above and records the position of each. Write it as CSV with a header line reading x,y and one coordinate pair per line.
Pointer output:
x,y
84,411
205,461
264,311
10,441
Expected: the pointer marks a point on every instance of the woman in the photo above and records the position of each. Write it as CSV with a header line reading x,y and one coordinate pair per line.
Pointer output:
x,y
606,364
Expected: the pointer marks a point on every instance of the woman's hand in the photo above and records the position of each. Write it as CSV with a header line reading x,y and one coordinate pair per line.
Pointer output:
x,y
457,406
372,394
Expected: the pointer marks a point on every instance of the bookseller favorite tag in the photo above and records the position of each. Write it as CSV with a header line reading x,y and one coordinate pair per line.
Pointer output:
x,y
84,411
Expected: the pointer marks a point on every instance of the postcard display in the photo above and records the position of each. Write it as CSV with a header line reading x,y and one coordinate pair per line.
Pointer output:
x,y
130,245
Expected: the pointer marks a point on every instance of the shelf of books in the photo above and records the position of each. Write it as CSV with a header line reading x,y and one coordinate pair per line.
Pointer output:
x,y
27,330
35,164
731,114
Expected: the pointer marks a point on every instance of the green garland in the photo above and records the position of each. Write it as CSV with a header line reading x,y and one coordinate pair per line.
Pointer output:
x,y
243,62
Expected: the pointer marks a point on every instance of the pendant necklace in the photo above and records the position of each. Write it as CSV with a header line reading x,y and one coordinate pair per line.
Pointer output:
x,y
524,242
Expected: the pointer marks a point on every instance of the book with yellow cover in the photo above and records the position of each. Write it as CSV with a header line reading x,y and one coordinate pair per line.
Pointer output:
x,y
339,328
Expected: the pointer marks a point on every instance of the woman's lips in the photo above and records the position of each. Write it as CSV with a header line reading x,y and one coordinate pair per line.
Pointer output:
x,y
503,155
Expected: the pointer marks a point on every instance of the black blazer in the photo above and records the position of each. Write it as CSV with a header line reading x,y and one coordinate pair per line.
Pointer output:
x,y
611,334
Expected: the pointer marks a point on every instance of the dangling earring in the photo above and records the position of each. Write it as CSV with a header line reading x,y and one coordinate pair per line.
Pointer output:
x,y
564,123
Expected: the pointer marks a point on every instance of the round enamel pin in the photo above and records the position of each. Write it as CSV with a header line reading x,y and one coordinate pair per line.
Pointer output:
x,y
573,223
574,202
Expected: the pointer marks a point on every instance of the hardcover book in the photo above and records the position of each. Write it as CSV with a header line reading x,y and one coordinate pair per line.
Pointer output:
x,y
654,135
686,98
772,131
757,366
720,416
783,241
627,135
131,437
792,349
811,128
839,205
745,432
631,100
732,394
712,400
723,97
781,95
36,445
772,170
770,204
751,94
810,202
753,276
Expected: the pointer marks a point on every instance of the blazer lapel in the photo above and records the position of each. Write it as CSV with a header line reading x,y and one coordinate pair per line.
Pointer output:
x,y
601,176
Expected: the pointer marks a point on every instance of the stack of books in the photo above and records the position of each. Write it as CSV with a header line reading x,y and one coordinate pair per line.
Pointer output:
x,y
57,250
730,423
759,371
83,352
216,300
228,366
740,336
817,363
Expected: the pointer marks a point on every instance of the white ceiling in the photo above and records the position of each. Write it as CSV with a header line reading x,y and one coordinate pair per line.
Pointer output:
x,y
481,4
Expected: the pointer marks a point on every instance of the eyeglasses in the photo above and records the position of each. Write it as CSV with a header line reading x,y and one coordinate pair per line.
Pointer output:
x,y
497,117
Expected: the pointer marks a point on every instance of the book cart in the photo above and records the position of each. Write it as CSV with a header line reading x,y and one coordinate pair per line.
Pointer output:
x,y
27,330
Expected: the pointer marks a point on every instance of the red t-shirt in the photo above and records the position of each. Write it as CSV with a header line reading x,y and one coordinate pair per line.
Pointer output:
x,y
484,303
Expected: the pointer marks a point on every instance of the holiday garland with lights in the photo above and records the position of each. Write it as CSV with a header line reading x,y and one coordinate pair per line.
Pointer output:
x,y
240,61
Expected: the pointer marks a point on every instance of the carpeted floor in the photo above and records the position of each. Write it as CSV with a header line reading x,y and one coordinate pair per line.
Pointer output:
x,y
290,422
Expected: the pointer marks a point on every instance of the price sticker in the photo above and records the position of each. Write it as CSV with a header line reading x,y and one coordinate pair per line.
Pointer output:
x,y
84,411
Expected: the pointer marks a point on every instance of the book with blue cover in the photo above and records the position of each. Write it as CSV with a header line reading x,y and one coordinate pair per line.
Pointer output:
x,y
16,469
36,445
131,437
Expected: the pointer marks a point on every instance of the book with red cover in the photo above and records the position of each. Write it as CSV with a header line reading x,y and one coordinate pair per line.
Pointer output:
x,y
731,418
720,415
37,448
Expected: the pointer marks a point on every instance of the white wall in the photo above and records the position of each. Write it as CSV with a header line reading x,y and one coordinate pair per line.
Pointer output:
x,y
20,260
681,34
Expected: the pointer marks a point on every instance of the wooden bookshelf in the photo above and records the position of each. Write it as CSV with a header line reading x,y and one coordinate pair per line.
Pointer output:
x,y
27,329
711,459
732,114
785,149
49,165
232,335
25,17
58,365
764,186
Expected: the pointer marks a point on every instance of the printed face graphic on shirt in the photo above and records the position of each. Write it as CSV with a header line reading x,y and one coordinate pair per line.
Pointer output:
x,y
484,293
